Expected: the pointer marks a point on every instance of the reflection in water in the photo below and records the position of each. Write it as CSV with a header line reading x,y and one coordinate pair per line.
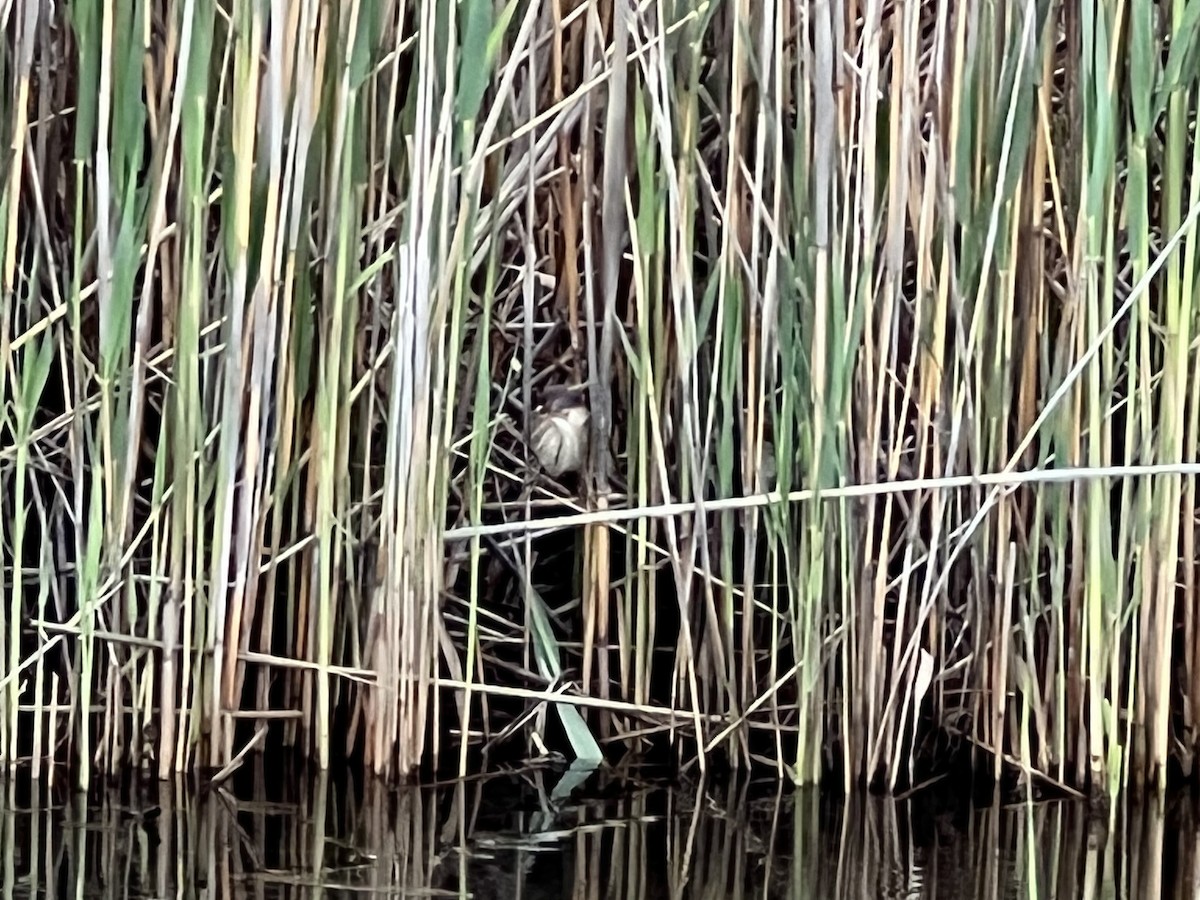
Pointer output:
x,y
504,837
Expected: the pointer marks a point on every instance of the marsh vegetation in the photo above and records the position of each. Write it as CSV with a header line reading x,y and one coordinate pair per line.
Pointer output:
x,y
813,388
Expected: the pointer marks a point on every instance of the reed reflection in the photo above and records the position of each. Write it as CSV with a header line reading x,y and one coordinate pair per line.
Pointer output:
x,y
510,836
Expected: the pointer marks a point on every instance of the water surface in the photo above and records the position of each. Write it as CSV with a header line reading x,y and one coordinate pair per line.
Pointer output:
x,y
509,836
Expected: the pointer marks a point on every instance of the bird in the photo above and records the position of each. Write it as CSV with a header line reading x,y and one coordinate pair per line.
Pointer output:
x,y
560,433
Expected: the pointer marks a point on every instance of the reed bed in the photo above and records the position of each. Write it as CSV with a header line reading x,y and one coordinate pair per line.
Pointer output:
x,y
503,836
813,387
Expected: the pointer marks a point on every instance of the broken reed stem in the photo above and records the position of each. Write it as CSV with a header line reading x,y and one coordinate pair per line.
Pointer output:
x,y
1009,480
